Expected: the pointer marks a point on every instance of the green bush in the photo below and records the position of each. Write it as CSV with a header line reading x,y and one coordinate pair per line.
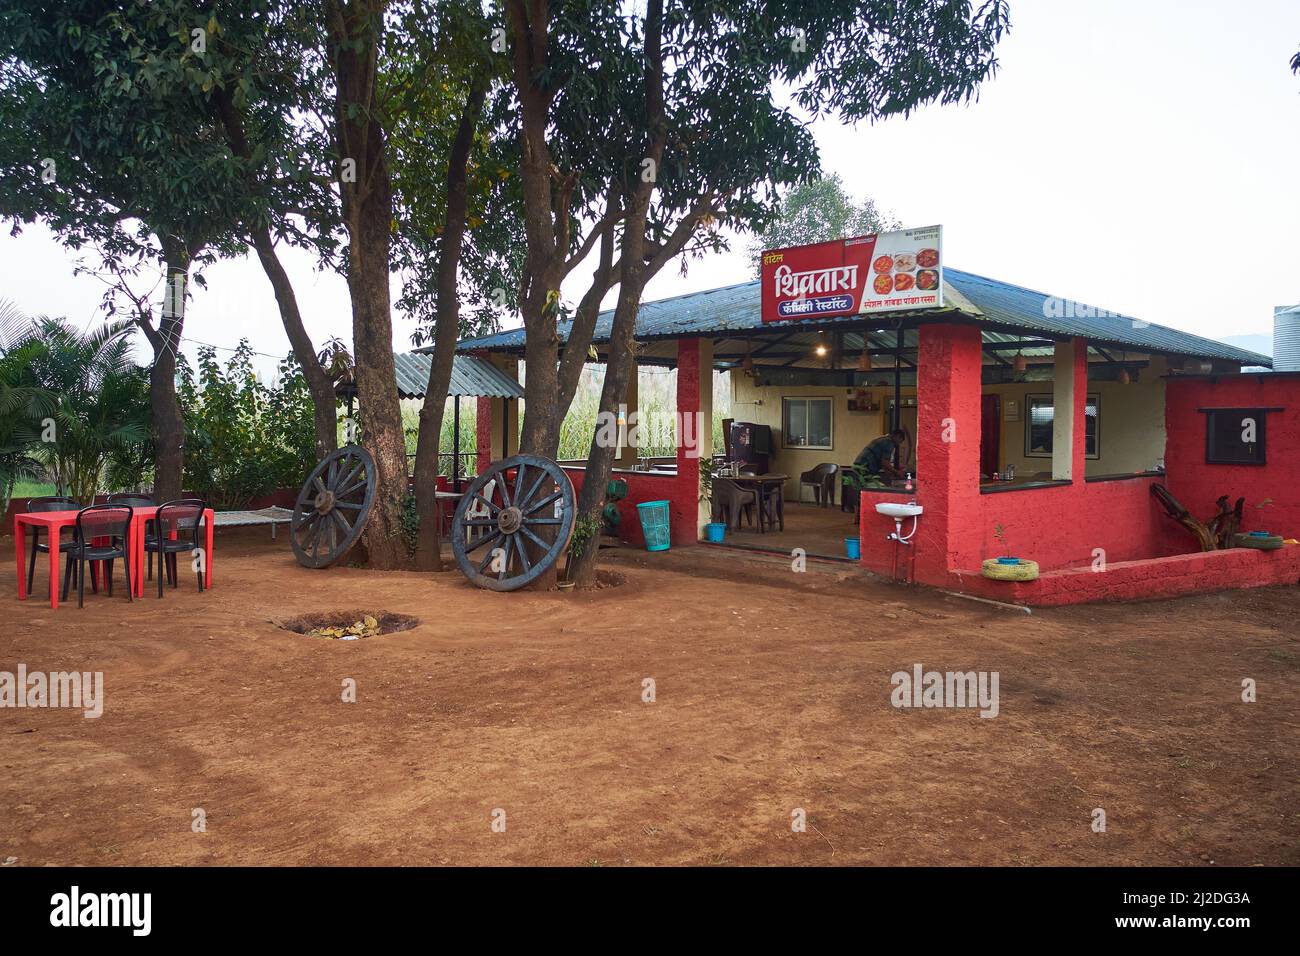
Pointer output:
x,y
244,438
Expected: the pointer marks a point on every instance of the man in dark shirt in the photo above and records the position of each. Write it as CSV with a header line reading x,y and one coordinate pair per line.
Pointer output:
x,y
878,457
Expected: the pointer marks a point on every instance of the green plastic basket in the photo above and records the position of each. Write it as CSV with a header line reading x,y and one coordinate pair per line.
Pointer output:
x,y
654,524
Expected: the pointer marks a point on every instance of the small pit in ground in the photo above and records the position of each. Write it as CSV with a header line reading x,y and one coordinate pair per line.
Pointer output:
x,y
338,625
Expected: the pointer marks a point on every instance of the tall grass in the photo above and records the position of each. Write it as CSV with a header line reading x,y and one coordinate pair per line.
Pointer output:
x,y
657,403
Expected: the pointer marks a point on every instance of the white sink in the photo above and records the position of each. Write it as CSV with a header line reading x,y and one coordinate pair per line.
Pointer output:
x,y
896,509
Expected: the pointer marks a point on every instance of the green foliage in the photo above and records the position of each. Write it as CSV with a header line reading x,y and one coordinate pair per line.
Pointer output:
x,y
817,211
21,406
89,402
706,478
428,67
585,530
855,478
102,137
244,438
409,524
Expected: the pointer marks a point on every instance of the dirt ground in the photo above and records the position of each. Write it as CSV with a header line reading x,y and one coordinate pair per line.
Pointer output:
x,y
772,694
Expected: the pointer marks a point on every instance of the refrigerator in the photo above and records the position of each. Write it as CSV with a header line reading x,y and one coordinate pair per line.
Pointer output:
x,y
751,443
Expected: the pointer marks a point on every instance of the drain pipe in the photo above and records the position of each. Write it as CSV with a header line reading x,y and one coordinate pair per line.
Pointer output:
x,y
901,539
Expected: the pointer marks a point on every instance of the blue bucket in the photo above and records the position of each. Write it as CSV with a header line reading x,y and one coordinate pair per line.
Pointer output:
x,y
715,532
654,524
854,547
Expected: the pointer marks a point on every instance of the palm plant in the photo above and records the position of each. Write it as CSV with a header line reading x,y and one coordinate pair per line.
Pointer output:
x,y
95,400
21,404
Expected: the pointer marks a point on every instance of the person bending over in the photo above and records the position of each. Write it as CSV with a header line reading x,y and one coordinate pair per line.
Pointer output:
x,y
878,457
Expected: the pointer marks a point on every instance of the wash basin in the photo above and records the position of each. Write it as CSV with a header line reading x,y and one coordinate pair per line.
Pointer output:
x,y
896,509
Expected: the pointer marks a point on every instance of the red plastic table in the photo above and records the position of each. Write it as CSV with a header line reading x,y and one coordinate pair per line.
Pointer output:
x,y
54,521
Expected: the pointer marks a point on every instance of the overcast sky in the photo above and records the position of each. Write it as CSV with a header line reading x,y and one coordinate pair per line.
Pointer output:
x,y
1137,156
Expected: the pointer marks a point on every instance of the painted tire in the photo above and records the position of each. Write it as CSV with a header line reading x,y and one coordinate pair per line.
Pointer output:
x,y
1024,571
1271,543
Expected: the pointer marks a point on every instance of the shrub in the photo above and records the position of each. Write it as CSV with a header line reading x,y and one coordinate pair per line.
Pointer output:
x,y
244,438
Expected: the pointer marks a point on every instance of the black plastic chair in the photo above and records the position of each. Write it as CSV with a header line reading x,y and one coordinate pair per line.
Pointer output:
x,y
822,481
99,521
730,501
50,503
185,515
136,500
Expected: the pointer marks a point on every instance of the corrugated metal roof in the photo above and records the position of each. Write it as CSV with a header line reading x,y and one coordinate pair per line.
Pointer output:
x,y
469,376
1004,307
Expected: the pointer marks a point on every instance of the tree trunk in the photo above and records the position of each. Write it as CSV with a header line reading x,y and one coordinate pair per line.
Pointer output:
x,y
546,225
633,273
376,378
539,432
1173,508
428,554
367,197
168,420
600,457
322,389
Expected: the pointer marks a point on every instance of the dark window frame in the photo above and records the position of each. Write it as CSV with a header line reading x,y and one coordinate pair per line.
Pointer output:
x,y
1092,398
1214,456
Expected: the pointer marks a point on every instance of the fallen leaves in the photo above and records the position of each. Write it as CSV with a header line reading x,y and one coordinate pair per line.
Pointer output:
x,y
366,627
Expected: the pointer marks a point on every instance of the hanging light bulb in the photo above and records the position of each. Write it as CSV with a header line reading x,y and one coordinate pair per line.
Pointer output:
x,y
1124,377
747,363
1019,363
821,349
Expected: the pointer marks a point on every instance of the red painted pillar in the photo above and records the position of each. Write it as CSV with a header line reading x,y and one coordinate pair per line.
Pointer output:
x,y
949,364
483,433
685,500
1078,451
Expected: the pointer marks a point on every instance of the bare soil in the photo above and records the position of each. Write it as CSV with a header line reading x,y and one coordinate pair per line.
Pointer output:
x,y
772,694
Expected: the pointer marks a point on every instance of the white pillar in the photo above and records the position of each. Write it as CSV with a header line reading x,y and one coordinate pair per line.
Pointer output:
x,y
1063,417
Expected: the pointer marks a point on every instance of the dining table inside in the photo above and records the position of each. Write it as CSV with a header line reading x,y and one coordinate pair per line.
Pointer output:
x,y
55,521
770,491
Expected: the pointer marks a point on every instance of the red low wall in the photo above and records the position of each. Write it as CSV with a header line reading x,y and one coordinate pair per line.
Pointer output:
x,y
1140,580
1197,484
1062,527
1056,527
648,487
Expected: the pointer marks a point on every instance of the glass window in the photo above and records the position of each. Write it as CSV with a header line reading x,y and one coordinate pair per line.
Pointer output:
x,y
806,422
1041,416
1234,436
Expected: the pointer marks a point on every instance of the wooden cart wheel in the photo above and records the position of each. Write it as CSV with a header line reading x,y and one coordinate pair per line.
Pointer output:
x,y
509,530
332,507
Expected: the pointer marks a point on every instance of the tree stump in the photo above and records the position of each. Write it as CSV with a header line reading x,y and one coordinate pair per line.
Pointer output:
x,y
1214,535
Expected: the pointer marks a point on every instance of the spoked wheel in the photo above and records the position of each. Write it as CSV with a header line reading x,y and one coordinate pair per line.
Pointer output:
x,y
332,507
510,529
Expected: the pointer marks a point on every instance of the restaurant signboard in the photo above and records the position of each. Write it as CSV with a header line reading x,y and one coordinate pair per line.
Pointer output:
x,y
882,272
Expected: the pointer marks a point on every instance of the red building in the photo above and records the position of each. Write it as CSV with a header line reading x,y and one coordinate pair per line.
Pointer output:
x,y
1088,408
